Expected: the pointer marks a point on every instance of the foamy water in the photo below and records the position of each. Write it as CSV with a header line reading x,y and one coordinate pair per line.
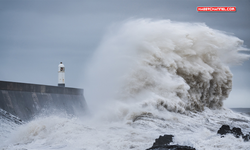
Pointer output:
x,y
196,129
149,78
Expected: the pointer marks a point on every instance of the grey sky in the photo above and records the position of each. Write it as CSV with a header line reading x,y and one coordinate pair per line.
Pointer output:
x,y
35,35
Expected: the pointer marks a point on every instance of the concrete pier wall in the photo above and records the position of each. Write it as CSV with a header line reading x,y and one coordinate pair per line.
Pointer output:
x,y
28,100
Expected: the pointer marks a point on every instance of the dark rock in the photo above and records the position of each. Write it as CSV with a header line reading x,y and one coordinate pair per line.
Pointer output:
x,y
162,143
224,129
163,140
246,137
8,116
237,132
171,147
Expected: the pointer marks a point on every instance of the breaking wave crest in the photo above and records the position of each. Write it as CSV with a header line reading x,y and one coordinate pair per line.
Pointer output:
x,y
165,65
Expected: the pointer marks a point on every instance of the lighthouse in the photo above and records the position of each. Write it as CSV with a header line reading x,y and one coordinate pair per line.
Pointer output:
x,y
61,75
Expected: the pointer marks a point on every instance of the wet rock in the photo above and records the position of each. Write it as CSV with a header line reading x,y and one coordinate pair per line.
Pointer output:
x,y
171,147
237,132
225,129
162,143
163,140
246,137
10,117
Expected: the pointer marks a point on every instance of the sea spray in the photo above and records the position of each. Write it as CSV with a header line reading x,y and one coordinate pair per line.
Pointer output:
x,y
165,64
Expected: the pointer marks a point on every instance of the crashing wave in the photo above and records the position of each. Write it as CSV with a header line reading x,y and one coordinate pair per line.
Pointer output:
x,y
168,65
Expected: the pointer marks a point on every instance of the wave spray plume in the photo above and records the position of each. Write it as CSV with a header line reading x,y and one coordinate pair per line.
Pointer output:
x,y
165,65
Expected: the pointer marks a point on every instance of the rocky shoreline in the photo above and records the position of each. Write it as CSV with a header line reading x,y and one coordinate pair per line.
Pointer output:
x,y
225,129
163,142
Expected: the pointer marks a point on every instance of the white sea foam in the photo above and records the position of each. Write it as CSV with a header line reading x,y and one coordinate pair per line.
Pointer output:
x,y
149,78
196,129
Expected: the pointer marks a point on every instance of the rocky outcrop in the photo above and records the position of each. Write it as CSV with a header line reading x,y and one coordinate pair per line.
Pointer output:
x,y
225,129
162,143
4,114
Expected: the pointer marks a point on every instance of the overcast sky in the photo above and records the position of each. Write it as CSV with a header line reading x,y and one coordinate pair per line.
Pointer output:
x,y
35,35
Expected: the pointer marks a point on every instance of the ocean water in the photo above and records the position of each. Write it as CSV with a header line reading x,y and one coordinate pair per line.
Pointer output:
x,y
244,111
147,78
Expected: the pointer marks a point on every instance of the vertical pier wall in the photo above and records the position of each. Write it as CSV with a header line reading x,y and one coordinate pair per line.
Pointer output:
x,y
27,100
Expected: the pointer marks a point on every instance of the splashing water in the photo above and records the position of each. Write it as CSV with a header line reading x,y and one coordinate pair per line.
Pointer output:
x,y
149,78
167,65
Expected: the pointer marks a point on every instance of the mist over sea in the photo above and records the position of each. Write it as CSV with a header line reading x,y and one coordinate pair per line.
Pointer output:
x,y
147,78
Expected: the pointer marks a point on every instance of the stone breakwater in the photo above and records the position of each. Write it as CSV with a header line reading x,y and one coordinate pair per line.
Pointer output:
x,y
27,100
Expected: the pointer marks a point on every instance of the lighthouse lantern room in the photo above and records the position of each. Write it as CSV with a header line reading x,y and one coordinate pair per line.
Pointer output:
x,y
61,75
